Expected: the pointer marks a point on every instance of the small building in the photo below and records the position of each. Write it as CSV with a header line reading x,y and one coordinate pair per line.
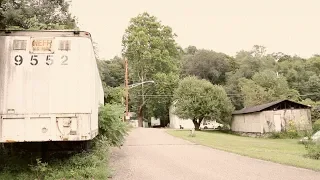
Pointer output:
x,y
176,122
272,117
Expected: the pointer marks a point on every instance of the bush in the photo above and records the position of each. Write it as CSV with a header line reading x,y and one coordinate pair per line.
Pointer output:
x,y
277,135
111,125
313,150
291,132
316,126
91,165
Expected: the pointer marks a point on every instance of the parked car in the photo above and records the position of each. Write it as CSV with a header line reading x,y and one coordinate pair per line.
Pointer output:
x,y
314,138
210,125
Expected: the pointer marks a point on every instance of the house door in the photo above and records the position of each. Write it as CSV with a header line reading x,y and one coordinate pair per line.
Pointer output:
x,y
277,122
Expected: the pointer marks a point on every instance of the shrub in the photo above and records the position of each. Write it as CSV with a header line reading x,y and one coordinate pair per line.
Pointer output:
x,y
111,125
316,126
276,135
80,166
291,131
313,150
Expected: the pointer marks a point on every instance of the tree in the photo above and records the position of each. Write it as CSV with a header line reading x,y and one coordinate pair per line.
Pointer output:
x,y
315,108
266,86
191,50
251,62
207,64
112,71
233,89
313,88
199,99
150,48
161,99
297,72
36,15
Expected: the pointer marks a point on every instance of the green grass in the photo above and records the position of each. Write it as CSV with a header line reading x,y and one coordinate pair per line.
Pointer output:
x,y
283,151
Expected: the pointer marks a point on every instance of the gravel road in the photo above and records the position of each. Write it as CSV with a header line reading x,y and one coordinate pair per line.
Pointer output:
x,y
152,154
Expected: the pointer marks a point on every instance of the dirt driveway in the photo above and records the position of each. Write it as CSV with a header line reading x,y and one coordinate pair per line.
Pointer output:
x,y
152,154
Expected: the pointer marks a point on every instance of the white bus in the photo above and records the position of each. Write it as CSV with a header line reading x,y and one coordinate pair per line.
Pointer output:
x,y
50,87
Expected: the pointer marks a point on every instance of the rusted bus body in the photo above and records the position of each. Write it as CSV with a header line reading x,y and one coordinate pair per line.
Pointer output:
x,y
50,87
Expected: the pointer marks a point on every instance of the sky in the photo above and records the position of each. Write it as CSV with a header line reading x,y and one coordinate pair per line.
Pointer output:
x,y
228,26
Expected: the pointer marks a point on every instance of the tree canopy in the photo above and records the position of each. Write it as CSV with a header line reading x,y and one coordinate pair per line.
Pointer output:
x,y
207,64
150,48
199,99
36,15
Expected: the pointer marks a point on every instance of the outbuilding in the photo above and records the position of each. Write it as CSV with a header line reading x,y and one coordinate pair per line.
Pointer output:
x,y
272,117
176,122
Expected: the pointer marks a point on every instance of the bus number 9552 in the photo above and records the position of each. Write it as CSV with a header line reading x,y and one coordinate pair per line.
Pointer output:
x,y
19,60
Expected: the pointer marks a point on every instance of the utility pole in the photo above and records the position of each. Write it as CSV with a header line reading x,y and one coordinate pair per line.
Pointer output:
x,y
127,87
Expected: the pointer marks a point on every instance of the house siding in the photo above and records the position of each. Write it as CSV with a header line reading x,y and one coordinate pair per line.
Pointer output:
x,y
300,117
246,123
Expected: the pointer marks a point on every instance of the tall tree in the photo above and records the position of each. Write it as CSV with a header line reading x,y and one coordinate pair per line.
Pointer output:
x,y
36,14
313,88
150,48
207,64
161,98
199,99
266,86
112,71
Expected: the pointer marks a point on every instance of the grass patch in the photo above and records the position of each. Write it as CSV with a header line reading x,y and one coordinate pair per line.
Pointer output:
x,y
87,165
284,151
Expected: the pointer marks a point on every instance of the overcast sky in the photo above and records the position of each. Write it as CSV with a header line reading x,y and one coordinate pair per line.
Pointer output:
x,y
289,26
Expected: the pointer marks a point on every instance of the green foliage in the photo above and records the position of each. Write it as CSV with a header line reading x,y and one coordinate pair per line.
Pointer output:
x,y
199,99
265,87
112,71
207,64
36,15
285,135
159,104
313,88
316,126
291,130
91,165
114,95
313,150
81,166
315,110
150,48
40,169
111,125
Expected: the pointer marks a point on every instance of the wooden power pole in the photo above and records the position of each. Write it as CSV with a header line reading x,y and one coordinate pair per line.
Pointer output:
x,y
127,87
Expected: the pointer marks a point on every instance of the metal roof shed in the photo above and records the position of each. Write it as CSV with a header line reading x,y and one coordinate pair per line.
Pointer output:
x,y
272,117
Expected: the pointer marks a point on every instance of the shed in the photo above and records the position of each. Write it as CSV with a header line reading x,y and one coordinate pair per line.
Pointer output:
x,y
272,117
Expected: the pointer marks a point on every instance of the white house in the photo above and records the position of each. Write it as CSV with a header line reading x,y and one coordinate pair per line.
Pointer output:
x,y
176,122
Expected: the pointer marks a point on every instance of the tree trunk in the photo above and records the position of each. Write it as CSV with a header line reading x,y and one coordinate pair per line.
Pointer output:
x,y
140,116
196,124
